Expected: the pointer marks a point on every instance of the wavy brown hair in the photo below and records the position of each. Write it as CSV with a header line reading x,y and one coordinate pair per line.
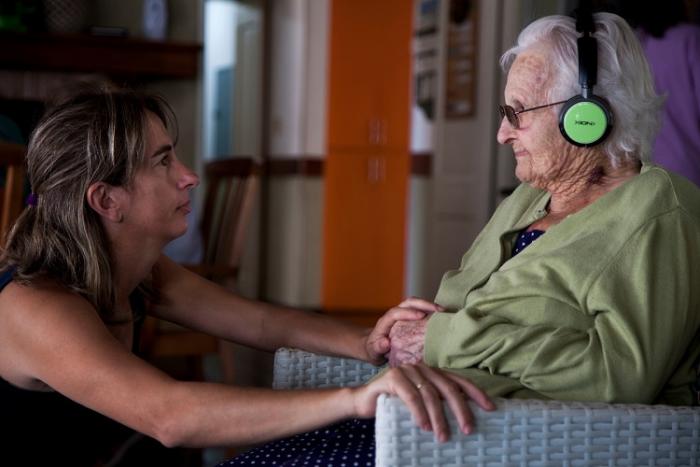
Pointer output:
x,y
95,135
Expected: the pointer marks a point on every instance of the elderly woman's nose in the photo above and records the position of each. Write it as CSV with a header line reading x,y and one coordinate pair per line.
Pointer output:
x,y
505,132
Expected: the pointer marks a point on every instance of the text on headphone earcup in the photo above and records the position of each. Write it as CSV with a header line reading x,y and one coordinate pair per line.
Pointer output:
x,y
585,121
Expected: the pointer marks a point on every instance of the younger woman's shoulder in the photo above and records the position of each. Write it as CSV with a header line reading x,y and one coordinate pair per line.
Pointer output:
x,y
23,304
40,289
34,322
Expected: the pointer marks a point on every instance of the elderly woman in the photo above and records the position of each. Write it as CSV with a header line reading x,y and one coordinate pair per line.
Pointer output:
x,y
583,285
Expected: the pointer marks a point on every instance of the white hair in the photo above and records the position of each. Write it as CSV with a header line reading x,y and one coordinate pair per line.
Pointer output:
x,y
624,78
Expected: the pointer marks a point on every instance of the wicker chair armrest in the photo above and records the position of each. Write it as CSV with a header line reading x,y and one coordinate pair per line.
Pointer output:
x,y
296,369
545,433
518,432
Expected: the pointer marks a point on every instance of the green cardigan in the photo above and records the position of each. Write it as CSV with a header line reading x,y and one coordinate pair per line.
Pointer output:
x,y
605,306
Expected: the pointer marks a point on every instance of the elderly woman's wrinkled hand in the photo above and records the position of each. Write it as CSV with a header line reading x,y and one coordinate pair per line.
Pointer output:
x,y
378,343
407,342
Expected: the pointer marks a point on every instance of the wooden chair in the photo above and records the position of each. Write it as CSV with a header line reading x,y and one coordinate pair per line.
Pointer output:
x,y
12,158
231,188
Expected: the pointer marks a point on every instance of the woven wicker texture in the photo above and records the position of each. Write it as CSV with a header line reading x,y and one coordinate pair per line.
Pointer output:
x,y
295,369
67,15
518,433
537,433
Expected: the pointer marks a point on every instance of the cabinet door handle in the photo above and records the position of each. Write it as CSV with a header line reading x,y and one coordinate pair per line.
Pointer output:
x,y
374,131
376,170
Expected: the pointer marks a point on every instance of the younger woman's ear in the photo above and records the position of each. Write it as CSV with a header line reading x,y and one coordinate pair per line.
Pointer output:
x,y
103,198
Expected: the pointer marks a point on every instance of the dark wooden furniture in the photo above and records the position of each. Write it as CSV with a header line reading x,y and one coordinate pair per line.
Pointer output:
x,y
12,158
118,57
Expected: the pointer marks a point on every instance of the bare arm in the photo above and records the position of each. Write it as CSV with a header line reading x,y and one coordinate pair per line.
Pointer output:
x,y
194,302
59,339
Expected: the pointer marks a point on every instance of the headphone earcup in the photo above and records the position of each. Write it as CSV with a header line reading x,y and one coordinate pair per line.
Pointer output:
x,y
585,121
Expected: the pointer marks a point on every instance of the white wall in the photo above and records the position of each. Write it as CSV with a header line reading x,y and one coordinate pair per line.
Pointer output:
x,y
297,130
294,246
219,52
318,39
449,210
248,86
299,78
419,195
422,142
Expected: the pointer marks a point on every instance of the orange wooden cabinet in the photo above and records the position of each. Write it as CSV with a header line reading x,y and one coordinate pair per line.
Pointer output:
x,y
367,167
370,69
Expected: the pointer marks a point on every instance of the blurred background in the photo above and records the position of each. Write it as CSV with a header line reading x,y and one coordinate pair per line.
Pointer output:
x,y
374,122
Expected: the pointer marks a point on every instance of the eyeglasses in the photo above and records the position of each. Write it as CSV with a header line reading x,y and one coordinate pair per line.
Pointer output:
x,y
512,115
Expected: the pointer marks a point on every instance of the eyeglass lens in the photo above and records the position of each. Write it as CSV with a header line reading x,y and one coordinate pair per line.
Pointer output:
x,y
512,117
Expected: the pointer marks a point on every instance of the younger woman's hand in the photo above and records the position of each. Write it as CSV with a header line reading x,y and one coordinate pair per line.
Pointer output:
x,y
423,389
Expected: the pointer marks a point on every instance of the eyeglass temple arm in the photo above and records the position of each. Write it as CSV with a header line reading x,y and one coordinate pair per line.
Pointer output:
x,y
539,107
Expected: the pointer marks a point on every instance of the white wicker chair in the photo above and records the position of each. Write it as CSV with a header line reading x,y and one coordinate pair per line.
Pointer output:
x,y
519,432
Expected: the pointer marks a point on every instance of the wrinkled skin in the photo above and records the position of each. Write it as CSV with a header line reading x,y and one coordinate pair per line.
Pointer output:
x,y
574,176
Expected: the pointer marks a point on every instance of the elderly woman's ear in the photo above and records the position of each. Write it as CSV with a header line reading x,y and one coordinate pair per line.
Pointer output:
x,y
106,200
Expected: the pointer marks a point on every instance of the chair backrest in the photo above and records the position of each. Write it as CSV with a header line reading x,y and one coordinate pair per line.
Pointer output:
x,y
12,158
231,187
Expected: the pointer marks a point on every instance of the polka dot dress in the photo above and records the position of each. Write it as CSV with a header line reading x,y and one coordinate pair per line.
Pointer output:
x,y
525,238
345,444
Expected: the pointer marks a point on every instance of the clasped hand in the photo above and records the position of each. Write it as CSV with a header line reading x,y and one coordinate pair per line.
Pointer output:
x,y
400,332
400,335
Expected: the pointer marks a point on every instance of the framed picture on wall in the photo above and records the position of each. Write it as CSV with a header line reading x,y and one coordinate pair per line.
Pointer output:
x,y
425,52
461,59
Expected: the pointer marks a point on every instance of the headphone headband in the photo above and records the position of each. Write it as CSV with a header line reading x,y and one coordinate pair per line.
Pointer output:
x,y
587,64
584,18
587,49
586,119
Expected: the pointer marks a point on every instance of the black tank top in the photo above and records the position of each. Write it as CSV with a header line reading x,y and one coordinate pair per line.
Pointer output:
x,y
47,428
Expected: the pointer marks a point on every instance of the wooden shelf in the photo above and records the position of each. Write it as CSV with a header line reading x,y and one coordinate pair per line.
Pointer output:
x,y
113,56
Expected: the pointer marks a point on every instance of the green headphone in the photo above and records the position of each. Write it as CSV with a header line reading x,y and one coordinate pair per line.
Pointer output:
x,y
586,119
